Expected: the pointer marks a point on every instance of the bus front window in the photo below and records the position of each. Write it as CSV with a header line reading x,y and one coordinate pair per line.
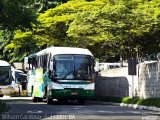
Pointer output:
x,y
4,76
78,67
83,66
63,65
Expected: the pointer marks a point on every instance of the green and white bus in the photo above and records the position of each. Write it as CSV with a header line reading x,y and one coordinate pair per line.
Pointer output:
x,y
62,73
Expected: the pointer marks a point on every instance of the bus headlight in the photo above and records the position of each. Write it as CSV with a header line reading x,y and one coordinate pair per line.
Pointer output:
x,y
89,87
56,86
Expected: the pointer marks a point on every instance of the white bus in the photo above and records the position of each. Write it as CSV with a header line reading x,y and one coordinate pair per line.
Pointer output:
x,y
5,78
61,73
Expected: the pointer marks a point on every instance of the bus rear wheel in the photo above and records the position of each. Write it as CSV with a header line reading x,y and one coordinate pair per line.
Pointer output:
x,y
34,99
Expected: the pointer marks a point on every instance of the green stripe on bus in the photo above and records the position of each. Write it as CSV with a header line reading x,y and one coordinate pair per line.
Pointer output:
x,y
67,94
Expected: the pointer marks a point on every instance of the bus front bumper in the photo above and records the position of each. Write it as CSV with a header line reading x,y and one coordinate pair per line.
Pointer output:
x,y
72,94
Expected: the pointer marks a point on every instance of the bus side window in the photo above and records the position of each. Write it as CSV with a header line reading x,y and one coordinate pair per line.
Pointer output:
x,y
38,62
45,61
39,59
34,63
49,59
29,62
42,58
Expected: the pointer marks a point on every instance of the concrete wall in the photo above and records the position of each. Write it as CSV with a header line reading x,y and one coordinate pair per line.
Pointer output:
x,y
149,80
117,82
112,86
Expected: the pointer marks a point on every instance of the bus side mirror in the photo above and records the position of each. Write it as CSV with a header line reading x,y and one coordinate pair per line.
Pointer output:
x,y
49,74
51,65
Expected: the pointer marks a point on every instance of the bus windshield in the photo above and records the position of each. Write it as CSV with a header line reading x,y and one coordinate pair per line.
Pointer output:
x,y
77,67
4,76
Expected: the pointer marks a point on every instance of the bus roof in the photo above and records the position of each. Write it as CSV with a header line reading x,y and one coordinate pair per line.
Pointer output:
x,y
62,50
4,63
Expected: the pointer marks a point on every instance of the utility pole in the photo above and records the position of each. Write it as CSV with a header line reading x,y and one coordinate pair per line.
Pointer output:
x,y
132,70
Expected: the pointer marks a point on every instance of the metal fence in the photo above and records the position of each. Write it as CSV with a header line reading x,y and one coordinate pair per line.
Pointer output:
x,y
152,57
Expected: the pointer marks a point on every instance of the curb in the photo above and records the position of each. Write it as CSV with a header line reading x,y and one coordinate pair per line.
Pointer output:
x,y
135,106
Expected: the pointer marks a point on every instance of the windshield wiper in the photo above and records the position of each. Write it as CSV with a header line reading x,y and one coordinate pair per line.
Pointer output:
x,y
77,75
67,74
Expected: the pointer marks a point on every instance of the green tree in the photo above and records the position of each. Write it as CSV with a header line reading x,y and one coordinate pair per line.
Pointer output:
x,y
16,14
109,28
120,27
43,5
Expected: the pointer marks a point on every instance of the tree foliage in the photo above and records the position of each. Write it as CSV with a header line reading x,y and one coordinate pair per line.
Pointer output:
x,y
16,14
109,28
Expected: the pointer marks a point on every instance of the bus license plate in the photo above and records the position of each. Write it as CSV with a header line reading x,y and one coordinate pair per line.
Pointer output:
x,y
74,93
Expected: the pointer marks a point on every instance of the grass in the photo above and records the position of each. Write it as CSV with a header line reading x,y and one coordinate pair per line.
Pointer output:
x,y
147,102
136,100
2,106
128,100
151,102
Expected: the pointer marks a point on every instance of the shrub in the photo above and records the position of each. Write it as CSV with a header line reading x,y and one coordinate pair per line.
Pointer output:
x,y
136,100
129,100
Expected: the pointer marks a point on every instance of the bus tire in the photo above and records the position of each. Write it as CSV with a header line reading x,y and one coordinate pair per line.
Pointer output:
x,y
81,102
40,99
34,99
49,101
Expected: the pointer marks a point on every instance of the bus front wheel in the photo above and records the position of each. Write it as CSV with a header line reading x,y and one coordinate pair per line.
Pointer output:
x,y
34,99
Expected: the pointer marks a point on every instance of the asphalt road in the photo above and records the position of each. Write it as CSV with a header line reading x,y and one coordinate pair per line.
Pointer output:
x,y
22,108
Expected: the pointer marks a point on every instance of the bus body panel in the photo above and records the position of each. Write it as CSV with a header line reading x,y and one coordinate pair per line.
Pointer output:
x,y
71,91
30,78
35,84
38,83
